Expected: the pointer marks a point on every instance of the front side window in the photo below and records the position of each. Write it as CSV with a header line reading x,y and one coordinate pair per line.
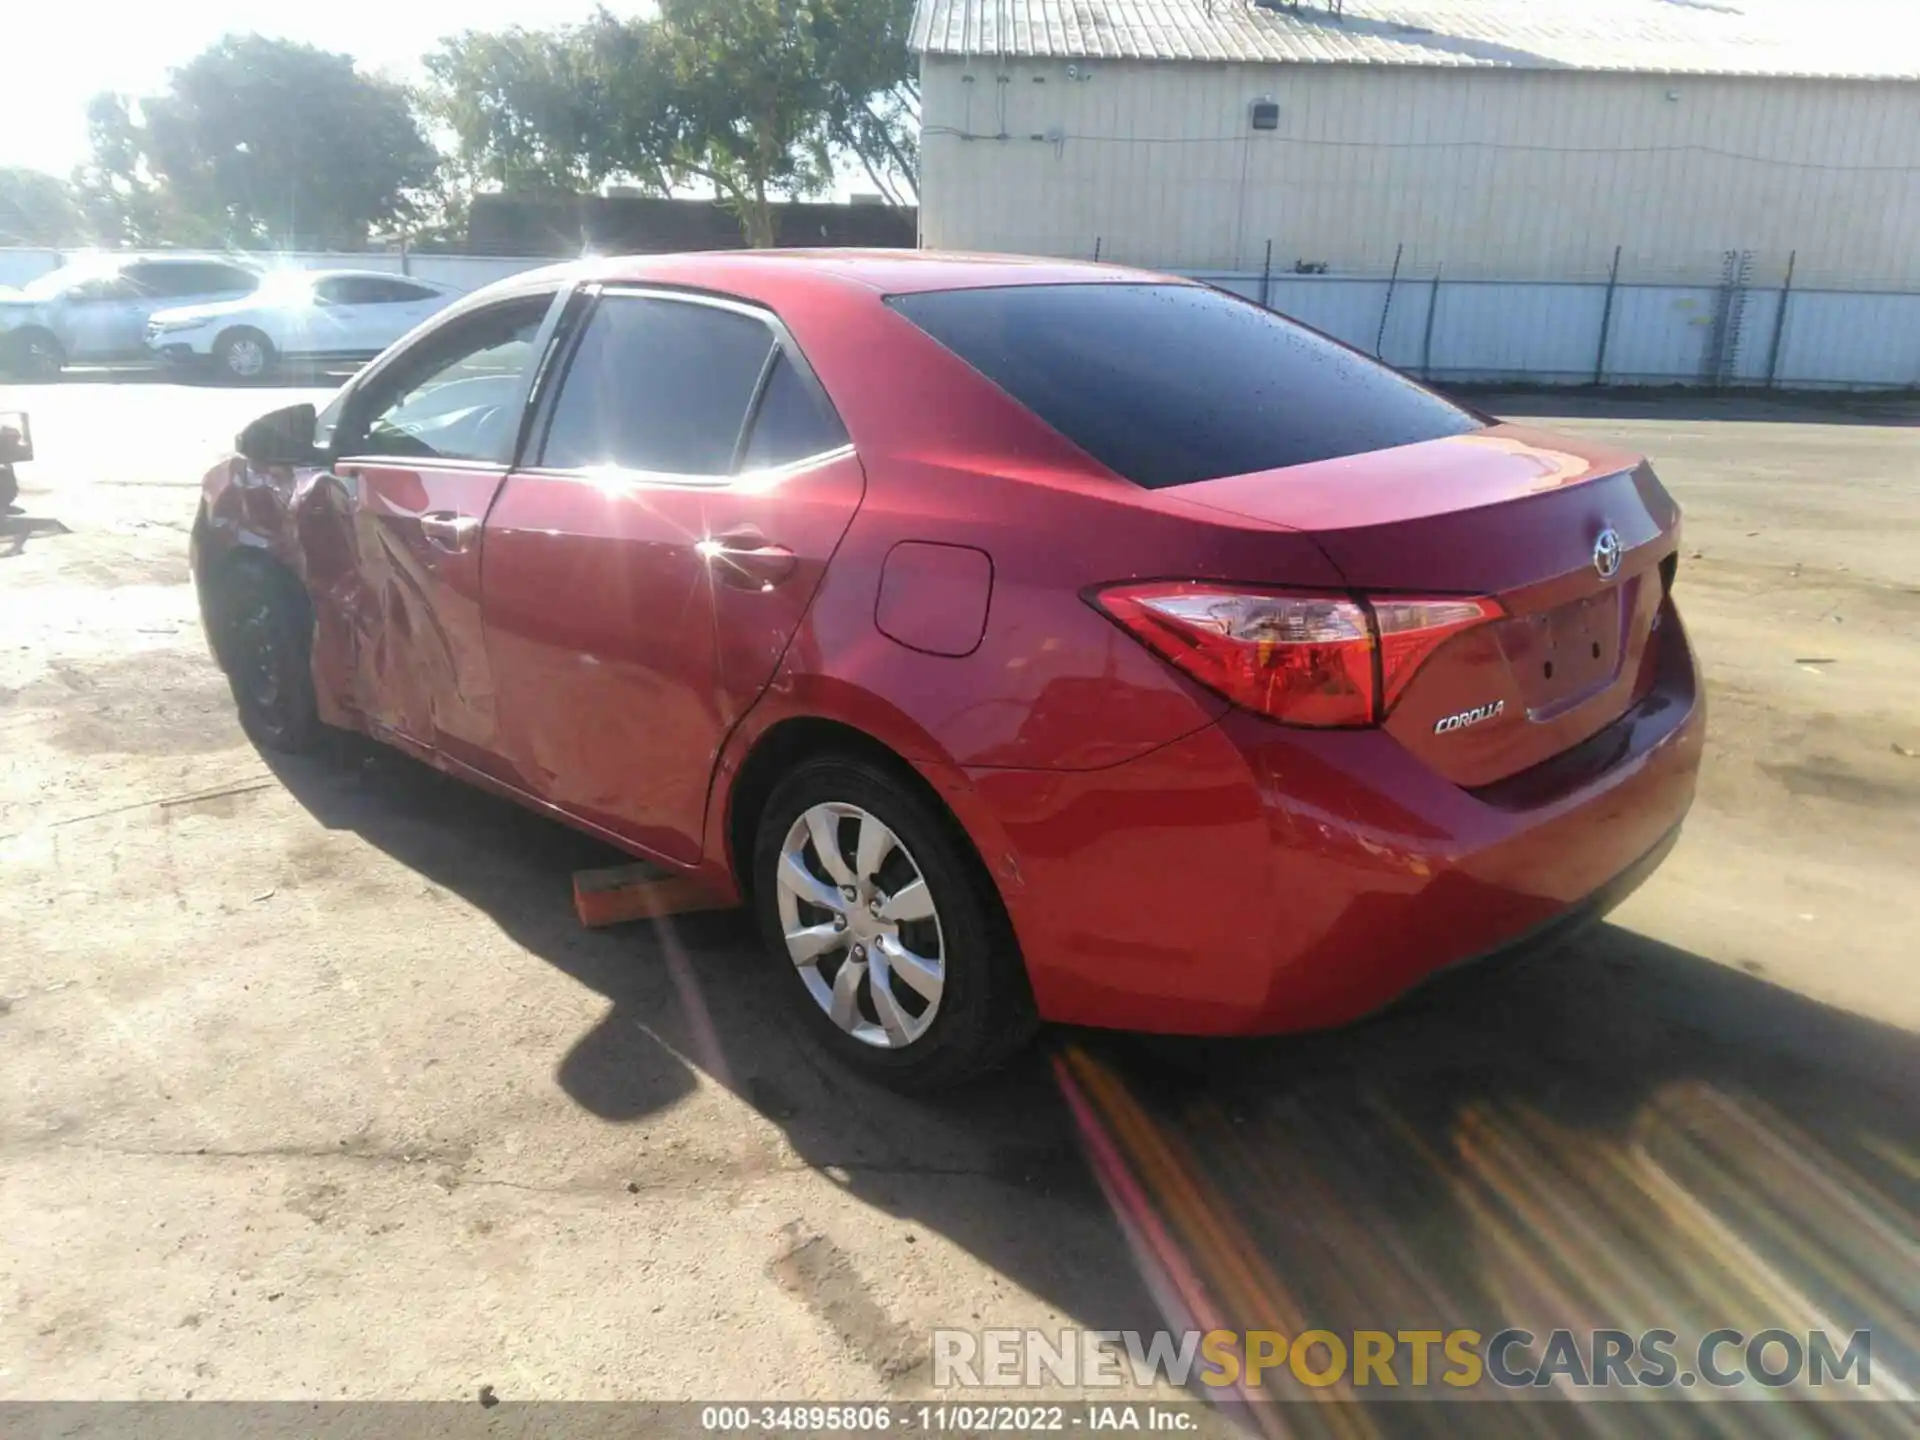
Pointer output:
x,y
658,385
181,279
1169,384
458,394
368,290
326,425
159,281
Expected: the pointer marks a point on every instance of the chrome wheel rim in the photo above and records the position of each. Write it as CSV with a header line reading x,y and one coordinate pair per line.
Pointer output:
x,y
861,926
246,358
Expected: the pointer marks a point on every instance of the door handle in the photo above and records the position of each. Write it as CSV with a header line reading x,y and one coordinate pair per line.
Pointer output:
x,y
451,532
746,561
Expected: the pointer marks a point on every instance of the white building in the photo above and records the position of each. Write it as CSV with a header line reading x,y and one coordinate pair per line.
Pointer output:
x,y
1510,139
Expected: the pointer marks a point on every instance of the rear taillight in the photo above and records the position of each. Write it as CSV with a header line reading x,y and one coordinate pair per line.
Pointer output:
x,y
1411,630
1318,660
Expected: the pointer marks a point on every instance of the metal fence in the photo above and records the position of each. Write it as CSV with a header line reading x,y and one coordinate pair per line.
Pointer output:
x,y
1609,332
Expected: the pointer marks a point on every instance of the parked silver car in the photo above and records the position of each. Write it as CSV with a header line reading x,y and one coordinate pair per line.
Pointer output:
x,y
299,316
95,311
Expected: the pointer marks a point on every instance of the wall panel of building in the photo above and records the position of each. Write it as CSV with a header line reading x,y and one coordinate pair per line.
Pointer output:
x,y
1519,174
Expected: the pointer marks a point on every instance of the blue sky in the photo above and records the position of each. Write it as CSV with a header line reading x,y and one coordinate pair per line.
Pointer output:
x,y
60,54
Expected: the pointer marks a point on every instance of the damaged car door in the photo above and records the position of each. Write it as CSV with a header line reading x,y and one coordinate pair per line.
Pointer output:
x,y
422,448
685,484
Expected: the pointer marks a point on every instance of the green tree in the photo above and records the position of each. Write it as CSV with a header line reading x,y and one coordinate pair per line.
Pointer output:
x,y
527,110
120,197
874,96
259,141
756,98
765,92
38,209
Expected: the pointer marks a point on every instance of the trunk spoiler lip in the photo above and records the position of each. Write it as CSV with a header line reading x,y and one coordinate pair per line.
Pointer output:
x,y
1452,474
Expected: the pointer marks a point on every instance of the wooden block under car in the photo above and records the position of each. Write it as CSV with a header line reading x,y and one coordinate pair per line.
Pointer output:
x,y
623,893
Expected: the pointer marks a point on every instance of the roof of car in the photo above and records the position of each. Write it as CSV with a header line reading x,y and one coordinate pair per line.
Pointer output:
x,y
364,275
887,272
172,257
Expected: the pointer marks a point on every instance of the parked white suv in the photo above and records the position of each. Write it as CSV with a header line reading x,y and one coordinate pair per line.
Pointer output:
x,y
304,315
95,311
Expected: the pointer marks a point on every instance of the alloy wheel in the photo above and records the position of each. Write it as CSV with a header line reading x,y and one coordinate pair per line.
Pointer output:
x,y
860,925
246,358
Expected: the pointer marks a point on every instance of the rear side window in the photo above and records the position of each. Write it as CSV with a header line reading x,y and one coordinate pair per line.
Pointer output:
x,y
370,290
1169,384
658,385
793,422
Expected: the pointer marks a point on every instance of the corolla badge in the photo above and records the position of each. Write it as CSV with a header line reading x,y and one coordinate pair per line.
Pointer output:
x,y
1470,717
1606,553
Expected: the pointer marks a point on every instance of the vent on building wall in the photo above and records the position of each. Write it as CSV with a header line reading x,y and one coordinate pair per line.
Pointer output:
x,y
1266,114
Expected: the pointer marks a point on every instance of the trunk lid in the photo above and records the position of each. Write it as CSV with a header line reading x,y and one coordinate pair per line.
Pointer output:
x,y
1508,512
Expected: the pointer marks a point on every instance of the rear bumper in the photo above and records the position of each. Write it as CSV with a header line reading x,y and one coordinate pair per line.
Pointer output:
x,y
1251,878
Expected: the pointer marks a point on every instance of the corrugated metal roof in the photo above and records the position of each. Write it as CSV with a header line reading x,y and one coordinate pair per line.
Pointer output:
x,y
1865,39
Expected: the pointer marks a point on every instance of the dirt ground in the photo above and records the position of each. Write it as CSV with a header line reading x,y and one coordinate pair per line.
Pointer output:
x,y
310,1086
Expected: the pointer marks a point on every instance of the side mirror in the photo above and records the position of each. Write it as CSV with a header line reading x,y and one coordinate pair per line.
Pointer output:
x,y
283,437
16,439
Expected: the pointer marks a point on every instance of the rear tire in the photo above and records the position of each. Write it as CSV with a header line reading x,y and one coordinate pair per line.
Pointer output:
x,y
267,651
982,1011
34,355
244,356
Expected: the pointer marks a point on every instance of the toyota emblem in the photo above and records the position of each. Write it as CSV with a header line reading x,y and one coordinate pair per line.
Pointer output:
x,y
1606,553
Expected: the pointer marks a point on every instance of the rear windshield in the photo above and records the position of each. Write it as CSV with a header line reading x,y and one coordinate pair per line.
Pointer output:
x,y
1168,384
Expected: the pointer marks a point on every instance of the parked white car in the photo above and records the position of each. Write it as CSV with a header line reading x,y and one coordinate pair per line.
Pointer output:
x,y
304,315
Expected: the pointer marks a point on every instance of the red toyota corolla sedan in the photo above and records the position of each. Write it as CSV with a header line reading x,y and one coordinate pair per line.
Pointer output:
x,y
1024,640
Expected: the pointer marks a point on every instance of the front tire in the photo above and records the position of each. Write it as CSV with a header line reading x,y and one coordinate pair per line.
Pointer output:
x,y
267,651
244,356
886,928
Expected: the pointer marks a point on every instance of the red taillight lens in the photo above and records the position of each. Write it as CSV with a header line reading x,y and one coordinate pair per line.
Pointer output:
x,y
1305,659
1302,659
1411,630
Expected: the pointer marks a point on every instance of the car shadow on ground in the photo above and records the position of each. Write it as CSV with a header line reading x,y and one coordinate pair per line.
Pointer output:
x,y
1617,1134
16,529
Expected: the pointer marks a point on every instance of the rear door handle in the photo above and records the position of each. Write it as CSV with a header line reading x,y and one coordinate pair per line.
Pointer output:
x,y
451,532
744,560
